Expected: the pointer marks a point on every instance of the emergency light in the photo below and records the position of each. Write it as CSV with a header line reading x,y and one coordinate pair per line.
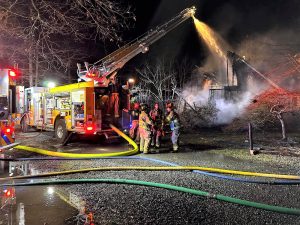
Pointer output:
x,y
7,193
12,73
89,128
8,130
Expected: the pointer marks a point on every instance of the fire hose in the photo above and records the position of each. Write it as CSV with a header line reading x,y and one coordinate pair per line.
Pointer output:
x,y
216,175
175,166
273,208
197,169
85,155
201,170
172,187
292,179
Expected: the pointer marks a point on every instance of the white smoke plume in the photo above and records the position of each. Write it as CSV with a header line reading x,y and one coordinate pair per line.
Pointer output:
x,y
263,51
227,111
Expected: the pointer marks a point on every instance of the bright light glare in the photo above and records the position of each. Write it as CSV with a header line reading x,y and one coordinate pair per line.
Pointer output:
x,y
89,128
51,84
131,80
12,73
50,190
193,10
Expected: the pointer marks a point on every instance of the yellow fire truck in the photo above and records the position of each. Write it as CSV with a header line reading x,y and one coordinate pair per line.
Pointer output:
x,y
82,107
74,108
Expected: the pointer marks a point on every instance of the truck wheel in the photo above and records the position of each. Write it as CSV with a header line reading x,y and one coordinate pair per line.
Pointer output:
x,y
61,133
24,125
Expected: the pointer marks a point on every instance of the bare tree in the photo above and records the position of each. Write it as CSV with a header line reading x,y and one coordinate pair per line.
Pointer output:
x,y
164,81
270,106
278,111
158,82
41,31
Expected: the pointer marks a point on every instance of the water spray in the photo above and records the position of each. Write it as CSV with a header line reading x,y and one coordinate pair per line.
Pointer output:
x,y
210,38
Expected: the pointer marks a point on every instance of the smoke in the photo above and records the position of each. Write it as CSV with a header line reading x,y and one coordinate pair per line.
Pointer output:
x,y
269,42
193,95
275,54
227,111
196,94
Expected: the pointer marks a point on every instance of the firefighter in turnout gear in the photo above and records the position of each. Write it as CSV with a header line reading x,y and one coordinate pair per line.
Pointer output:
x,y
114,101
134,129
157,118
145,126
172,119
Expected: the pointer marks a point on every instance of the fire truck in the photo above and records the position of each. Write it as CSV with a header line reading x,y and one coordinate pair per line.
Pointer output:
x,y
66,109
11,105
82,107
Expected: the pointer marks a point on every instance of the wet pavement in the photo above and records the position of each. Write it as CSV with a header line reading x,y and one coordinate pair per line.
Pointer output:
x,y
77,144
114,204
42,205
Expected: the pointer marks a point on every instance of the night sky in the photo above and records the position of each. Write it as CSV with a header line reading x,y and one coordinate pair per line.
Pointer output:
x,y
231,18
246,17
234,20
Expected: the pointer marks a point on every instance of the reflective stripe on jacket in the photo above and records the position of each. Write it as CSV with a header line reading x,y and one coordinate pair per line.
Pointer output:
x,y
145,122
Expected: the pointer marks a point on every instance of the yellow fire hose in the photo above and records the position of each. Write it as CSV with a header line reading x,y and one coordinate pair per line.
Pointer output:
x,y
134,151
85,155
160,168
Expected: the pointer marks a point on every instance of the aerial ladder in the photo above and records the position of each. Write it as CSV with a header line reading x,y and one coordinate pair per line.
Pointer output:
x,y
108,66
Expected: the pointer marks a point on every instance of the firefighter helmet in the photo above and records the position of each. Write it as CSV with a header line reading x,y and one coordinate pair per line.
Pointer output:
x,y
170,105
144,107
136,105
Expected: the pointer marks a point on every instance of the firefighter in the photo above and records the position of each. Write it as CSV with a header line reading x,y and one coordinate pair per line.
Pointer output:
x,y
103,103
157,118
145,126
172,119
89,219
134,129
114,100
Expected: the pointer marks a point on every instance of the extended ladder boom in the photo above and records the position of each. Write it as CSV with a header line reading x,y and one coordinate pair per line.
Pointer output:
x,y
101,70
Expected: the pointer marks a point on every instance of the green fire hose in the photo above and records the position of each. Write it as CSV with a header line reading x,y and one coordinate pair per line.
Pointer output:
x,y
273,208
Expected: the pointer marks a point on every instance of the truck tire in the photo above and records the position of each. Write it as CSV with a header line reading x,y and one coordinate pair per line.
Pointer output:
x,y
61,132
24,125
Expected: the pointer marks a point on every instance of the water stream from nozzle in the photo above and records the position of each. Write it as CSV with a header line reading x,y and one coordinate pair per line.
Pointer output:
x,y
215,43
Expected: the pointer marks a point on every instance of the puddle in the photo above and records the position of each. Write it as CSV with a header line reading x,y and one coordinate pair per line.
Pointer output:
x,y
37,205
